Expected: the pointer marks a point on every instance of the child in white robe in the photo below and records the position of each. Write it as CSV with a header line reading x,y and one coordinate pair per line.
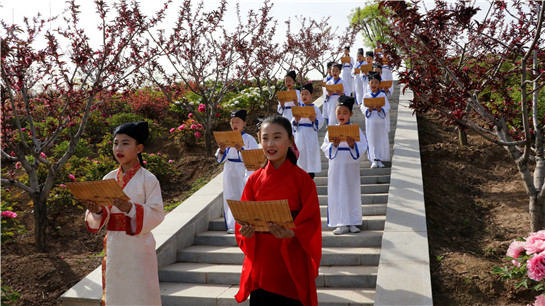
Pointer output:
x,y
347,71
359,78
330,104
369,59
377,124
327,79
284,109
343,175
234,171
129,267
305,131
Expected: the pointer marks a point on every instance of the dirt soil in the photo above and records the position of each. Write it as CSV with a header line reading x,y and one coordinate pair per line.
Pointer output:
x,y
475,206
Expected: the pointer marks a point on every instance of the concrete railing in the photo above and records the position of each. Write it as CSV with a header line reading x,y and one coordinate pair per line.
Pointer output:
x,y
404,268
175,232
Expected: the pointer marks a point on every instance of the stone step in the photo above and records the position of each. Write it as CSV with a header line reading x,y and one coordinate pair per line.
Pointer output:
x,y
371,238
379,179
364,164
365,189
368,223
374,198
203,294
364,171
233,255
227,274
367,209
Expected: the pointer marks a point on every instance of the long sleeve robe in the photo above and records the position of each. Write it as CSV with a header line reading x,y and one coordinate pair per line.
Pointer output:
x,y
306,140
286,111
234,175
286,266
377,127
343,182
130,274
360,82
331,102
347,75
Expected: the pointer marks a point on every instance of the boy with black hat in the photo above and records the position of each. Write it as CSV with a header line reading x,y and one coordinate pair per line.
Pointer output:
x,y
330,103
284,109
360,80
343,175
306,134
234,171
129,244
377,124
327,78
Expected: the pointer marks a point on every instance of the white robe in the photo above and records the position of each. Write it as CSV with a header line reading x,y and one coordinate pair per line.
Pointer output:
x,y
131,273
306,140
360,83
332,100
234,176
286,111
326,79
388,76
343,182
377,127
347,75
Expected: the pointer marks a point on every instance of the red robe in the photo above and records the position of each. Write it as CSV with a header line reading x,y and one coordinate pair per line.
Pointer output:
x,y
287,266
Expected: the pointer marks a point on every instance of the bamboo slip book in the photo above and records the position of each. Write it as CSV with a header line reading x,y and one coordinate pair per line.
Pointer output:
x,y
303,111
229,138
334,88
385,84
102,192
253,159
345,59
375,103
366,68
261,213
287,96
343,131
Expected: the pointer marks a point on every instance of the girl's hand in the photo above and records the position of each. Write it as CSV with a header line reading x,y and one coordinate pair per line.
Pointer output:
x,y
312,119
123,205
280,232
222,147
350,141
247,230
336,141
93,207
238,147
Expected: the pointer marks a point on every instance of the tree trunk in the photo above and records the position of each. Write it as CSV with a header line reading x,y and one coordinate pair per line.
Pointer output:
x,y
537,220
40,222
208,142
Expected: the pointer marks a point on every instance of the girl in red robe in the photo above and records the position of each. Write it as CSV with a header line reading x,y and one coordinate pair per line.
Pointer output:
x,y
280,267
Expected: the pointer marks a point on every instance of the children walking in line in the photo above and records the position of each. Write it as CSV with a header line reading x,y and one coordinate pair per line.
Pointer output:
x,y
284,109
280,267
129,268
327,78
306,135
234,171
331,102
347,71
377,124
343,176
359,78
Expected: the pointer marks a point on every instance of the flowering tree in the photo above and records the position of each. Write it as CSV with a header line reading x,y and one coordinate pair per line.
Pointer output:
x,y
373,23
48,94
476,73
205,57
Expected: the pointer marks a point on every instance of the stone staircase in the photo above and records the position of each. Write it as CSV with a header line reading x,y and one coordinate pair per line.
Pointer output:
x,y
208,272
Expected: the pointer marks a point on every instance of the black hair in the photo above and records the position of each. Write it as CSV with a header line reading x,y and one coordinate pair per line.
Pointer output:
x,y
285,123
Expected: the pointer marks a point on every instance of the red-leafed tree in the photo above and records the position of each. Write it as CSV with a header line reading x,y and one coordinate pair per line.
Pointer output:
x,y
480,73
48,93
204,55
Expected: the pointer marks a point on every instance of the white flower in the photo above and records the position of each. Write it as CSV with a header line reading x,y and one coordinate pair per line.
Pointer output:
x,y
262,106
191,103
236,102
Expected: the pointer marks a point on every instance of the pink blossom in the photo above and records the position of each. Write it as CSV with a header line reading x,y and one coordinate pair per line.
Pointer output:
x,y
151,154
218,115
110,142
193,126
190,115
515,248
155,123
516,263
199,125
145,162
23,129
465,69
159,154
8,214
535,243
95,161
198,134
184,126
72,177
536,267
42,155
180,128
540,300
170,161
62,185
18,165
202,108
172,130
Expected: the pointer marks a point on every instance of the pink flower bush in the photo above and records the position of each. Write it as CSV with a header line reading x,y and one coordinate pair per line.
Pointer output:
x,y
515,248
202,108
190,115
172,130
180,128
194,127
72,177
535,243
170,161
8,214
198,134
42,155
536,267
540,300
18,165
